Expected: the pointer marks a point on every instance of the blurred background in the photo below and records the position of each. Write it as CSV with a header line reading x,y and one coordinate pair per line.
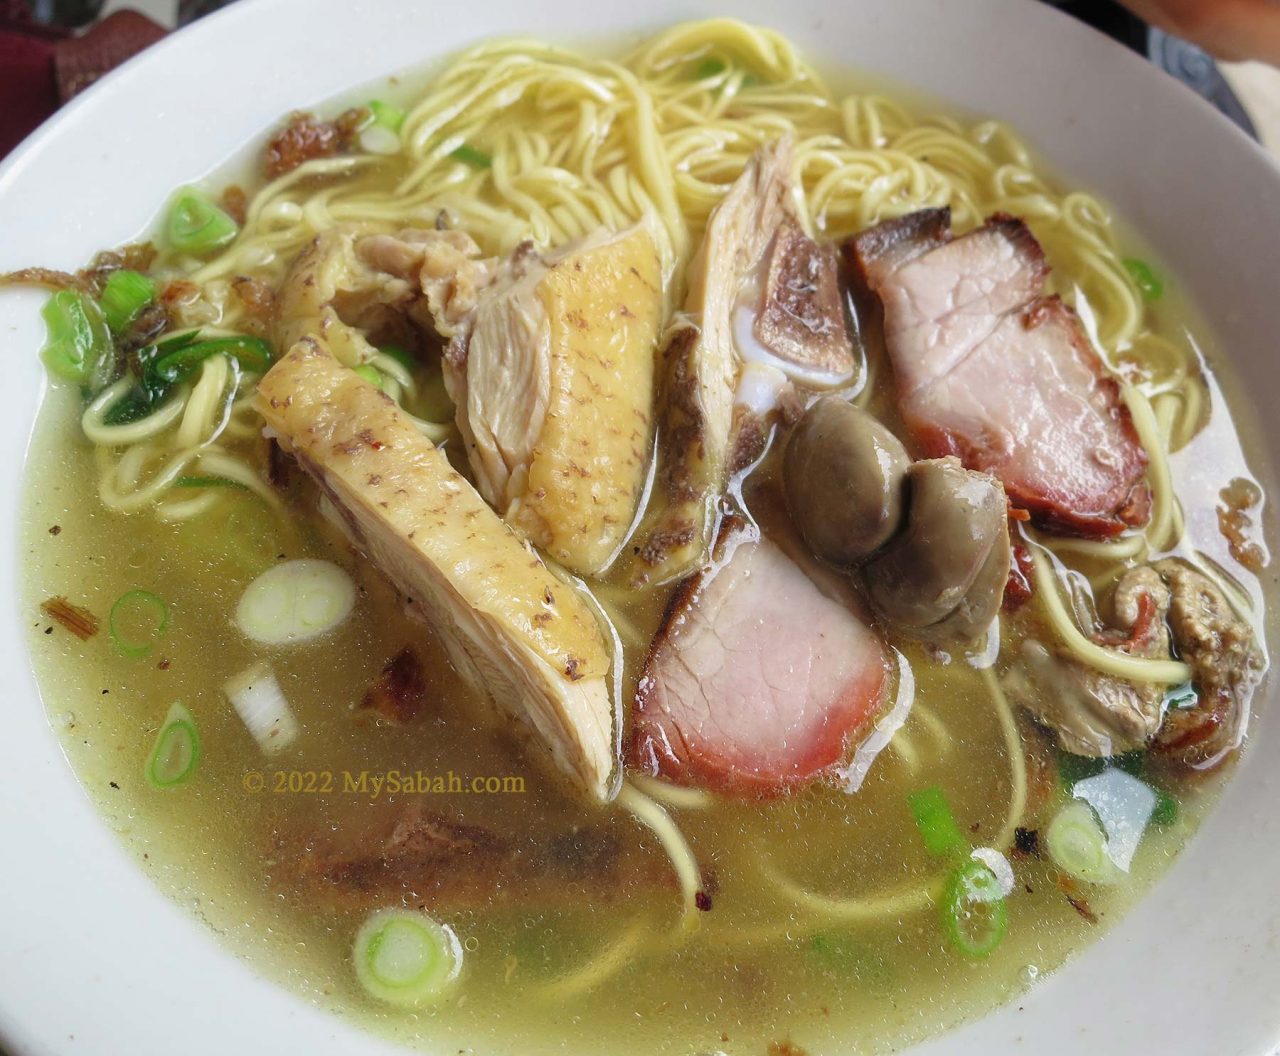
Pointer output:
x,y
52,49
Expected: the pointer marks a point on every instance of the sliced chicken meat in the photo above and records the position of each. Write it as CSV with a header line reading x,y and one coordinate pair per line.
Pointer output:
x,y
764,312
758,679
990,370
346,284
511,628
552,376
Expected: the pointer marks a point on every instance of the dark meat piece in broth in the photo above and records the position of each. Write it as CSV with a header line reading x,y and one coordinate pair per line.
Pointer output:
x,y
430,858
758,679
990,370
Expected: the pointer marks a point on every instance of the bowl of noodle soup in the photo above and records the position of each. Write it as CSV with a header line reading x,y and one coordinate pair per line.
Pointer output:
x,y
519,127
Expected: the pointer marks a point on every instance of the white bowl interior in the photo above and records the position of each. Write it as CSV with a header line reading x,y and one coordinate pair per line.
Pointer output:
x,y
94,960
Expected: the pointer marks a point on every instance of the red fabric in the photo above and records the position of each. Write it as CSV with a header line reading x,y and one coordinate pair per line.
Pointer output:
x,y
79,61
28,90
41,68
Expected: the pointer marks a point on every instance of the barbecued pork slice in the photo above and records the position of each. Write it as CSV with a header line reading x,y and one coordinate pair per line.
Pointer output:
x,y
764,313
515,631
990,370
758,679
553,380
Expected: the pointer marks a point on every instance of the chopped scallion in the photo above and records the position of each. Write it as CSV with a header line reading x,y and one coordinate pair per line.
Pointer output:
x,y
1144,278
1183,696
709,67
78,344
935,821
1078,845
370,374
1073,768
208,482
133,406
137,621
125,294
406,958
400,354
848,957
974,915
385,114
1166,810
196,224
263,708
477,159
174,360
177,750
295,601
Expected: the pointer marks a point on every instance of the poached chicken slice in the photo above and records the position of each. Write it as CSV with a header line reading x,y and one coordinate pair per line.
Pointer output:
x,y
764,312
553,378
515,631
990,370
758,679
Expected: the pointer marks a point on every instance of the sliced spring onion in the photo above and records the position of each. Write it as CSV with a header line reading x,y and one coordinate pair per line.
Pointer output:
x,y
295,601
406,958
935,821
1123,805
174,360
78,343
974,915
1144,278
378,139
477,159
1078,845
709,67
124,296
401,355
208,482
253,536
167,364
370,374
137,621
133,406
260,702
1183,696
849,957
999,866
177,750
385,114
1166,812
1073,768
196,224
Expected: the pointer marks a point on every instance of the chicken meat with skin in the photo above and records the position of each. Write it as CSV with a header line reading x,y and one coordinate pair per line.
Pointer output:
x,y
512,629
346,284
552,376
764,314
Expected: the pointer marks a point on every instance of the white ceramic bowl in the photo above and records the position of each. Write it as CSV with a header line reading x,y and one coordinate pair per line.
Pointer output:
x,y
94,961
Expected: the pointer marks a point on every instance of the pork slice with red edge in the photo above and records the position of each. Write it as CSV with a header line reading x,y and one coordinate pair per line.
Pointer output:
x,y
758,680
989,369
